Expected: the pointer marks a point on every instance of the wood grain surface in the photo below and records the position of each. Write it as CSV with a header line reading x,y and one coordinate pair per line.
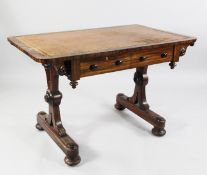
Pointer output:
x,y
72,44
127,60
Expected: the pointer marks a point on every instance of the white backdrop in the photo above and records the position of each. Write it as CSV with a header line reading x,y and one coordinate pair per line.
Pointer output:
x,y
110,142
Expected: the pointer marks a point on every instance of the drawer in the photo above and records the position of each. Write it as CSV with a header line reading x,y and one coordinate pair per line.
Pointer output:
x,y
127,60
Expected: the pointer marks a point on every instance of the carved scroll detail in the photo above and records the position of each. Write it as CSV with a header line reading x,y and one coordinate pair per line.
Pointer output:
x,y
183,51
61,69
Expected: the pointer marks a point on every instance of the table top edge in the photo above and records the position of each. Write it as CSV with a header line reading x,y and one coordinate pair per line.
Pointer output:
x,y
41,57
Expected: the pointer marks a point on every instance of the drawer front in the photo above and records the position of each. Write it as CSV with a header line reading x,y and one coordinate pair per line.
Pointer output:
x,y
115,62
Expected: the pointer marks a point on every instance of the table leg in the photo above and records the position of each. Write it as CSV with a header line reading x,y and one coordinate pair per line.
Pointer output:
x,y
51,122
138,104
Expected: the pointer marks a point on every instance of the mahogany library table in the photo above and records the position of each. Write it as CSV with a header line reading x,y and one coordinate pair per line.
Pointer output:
x,y
82,53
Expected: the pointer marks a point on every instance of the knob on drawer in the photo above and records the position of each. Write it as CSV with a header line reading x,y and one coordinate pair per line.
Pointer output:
x,y
93,67
118,62
163,55
142,58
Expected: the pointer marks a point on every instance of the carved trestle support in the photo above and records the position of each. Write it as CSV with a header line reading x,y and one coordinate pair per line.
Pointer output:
x,y
62,70
52,123
138,103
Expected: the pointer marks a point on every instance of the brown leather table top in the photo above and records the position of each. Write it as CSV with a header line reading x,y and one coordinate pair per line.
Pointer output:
x,y
92,41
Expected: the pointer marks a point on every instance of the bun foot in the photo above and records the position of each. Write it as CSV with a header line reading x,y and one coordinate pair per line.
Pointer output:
x,y
119,107
39,127
72,162
158,131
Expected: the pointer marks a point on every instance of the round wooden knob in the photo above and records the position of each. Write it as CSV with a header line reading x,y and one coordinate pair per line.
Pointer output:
x,y
93,67
118,62
163,55
142,58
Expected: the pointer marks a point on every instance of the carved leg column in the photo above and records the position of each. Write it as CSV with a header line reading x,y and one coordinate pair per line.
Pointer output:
x,y
51,122
138,104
